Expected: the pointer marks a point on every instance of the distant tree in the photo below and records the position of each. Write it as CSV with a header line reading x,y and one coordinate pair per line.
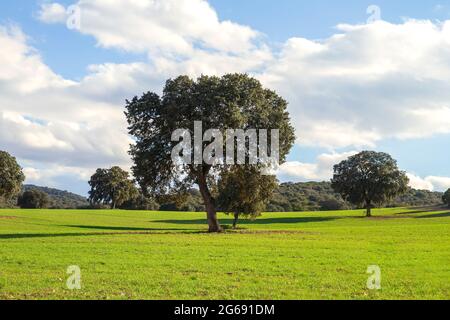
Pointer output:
x,y
111,187
332,204
234,101
244,191
11,177
368,179
33,199
446,197
140,202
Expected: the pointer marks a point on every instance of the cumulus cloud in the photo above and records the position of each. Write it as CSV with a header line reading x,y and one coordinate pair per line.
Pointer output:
x,y
163,26
321,170
367,83
47,119
52,13
340,89
431,183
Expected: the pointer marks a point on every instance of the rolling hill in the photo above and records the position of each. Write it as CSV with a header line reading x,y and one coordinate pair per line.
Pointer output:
x,y
60,199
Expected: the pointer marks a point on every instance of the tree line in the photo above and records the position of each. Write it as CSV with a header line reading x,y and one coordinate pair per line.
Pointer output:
x,y
368,179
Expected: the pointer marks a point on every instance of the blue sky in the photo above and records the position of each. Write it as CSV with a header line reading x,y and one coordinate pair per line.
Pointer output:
x,y
70,55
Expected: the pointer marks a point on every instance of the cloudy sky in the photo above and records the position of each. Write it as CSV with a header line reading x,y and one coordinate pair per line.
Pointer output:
x,y
357,77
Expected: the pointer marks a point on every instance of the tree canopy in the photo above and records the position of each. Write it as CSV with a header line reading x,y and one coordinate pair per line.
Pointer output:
x,y
111,187
369,178
234,101
11,176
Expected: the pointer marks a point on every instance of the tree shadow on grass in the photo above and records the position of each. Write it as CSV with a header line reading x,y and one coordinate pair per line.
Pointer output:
x,y
437,215
427,209
130,229
257,221
125,231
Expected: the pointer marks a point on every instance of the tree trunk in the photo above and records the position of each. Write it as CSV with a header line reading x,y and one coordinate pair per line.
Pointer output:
x,y
235,221
368,209
210,207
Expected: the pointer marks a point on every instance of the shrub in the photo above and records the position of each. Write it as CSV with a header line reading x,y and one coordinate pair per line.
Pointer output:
x,y
33,199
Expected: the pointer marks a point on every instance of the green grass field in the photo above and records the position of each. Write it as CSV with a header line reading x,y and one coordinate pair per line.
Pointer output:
x,y
165,255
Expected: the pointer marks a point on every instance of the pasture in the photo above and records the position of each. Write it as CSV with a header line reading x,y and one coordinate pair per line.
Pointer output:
x,y
168,255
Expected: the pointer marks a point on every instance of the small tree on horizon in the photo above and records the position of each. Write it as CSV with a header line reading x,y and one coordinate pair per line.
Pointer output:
x,y
111,187
368,179
446,198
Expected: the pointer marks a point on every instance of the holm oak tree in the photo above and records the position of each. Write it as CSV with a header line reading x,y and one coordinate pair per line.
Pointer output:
x,y
112,187
369,178
233,101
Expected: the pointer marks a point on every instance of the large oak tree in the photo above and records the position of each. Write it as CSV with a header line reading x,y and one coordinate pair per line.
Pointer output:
x,y
369,178
234,101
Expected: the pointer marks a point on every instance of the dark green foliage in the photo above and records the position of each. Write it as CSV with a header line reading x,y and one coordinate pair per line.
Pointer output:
x,y
417,198
33,199
234,101
111,186
284,196
306,196
11,178
369,179
189,201
244,191
446,197
140,203
320,196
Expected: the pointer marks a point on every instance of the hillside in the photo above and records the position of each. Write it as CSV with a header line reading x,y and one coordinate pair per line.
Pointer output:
x,y
61,199
315,196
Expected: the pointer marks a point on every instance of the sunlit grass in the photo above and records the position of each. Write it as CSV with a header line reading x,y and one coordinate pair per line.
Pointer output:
x,y
168,255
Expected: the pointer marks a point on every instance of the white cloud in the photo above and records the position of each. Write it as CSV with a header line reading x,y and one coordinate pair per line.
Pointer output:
x,y
430,183
439,183
163,26
340,89
47,119
321,170
367,83
52,13
417,182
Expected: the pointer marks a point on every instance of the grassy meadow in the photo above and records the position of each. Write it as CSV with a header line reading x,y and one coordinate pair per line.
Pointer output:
x,y
168,255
